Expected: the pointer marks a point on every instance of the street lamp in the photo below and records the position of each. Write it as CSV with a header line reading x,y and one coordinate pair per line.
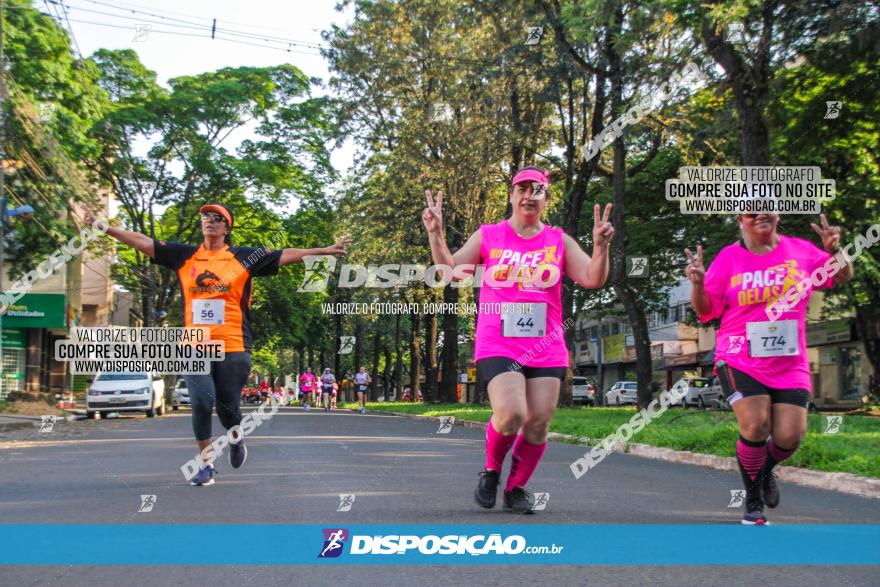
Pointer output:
x,y
5,212
600,372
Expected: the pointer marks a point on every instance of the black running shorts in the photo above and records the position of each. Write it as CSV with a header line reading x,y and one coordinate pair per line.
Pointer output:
x,y
736,385
490,367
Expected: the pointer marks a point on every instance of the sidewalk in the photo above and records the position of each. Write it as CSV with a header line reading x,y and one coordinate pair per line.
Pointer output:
x,y
841,482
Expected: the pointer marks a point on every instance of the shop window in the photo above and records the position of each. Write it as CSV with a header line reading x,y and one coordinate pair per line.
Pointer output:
x,y
13,371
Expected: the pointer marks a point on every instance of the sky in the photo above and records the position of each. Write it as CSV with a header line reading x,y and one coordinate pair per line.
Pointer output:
x,y
172,37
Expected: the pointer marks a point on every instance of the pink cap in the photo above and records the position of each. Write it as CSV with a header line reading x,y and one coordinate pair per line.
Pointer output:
x,y
531,175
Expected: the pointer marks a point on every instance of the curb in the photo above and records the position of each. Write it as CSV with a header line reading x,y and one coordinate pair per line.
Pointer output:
x,y
15,426
841,482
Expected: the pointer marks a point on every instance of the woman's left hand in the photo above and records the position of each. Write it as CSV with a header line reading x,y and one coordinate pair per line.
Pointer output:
x,y
338,248
830,235
603,230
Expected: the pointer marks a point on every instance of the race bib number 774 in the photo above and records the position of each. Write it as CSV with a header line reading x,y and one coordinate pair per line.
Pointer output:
x,y
773,339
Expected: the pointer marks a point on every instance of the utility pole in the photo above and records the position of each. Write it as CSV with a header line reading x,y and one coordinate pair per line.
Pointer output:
x,y
2,190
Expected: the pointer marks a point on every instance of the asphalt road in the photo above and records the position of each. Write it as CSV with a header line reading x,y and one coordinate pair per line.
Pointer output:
x,y
400,471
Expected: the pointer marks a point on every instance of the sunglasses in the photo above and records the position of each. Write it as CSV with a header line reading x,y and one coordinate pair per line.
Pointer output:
x,y
213,217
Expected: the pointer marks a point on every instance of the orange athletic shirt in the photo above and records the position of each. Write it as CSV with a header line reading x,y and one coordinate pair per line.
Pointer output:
x,y
224,274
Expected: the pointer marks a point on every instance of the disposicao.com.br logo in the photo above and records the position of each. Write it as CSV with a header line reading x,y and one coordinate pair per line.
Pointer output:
x,y
412,544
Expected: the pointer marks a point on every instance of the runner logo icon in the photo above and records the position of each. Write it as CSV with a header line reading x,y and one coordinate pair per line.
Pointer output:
x,y
736,498
334,540
541,500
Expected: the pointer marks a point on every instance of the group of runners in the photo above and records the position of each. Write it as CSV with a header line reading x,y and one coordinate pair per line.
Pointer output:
x,y
767,386
328,388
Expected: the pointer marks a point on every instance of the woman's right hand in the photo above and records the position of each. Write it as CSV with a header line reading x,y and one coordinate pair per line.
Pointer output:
x,y
89,218
432,217
696,273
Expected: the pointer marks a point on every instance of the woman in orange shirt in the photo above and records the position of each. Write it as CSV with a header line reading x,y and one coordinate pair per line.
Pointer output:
x,y
216,289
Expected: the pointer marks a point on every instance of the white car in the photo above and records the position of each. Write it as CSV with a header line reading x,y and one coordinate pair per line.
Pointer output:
x,y
582,391
622,392
180,395
126,392
696,391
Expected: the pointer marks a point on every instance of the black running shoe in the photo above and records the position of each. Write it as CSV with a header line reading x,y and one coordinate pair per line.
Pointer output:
x,y
487,489
769,489
754,514
237,453
519,501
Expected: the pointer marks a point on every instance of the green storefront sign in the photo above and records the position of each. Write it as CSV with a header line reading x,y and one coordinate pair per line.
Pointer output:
x,y
36,311
12,338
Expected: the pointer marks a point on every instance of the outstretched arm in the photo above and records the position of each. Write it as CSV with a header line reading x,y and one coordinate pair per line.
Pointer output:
x,y
289,256
135,240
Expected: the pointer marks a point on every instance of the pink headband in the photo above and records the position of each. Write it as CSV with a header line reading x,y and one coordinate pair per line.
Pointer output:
x,y
531,175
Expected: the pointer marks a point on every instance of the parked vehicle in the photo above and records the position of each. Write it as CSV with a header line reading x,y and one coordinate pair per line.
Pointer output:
x,y
180,395
582,391
713,396
621,393
697,391
126,392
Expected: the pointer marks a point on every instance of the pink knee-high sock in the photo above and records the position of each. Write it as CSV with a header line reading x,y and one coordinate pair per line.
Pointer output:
x,y
497,446
525,460
776,455
751,457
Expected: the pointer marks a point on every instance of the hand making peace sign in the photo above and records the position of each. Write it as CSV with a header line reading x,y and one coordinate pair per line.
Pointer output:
x,y
830,235
603,230
695,270
432,217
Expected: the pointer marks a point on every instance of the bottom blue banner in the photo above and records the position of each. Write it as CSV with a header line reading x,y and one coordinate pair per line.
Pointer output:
x,y
137,544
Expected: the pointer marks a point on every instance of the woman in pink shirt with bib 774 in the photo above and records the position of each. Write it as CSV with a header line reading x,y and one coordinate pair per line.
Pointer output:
x,y
761,345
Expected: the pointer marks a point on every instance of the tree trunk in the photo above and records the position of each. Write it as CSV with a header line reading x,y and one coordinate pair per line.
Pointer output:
x,y
358,345
634,309
387,374
430,392
415,354
337,327
374,374
750,83
450,347
148,295
398,360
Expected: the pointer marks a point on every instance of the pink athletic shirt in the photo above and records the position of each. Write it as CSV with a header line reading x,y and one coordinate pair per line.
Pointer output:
x,y
510,260
306,381
741,286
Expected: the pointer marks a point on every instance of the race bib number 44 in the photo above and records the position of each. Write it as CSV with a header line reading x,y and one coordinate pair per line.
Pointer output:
x,y
208,311
773,339
523,320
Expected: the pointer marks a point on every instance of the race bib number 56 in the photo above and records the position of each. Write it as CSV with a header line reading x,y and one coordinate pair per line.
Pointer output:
x,y
773,339
208,311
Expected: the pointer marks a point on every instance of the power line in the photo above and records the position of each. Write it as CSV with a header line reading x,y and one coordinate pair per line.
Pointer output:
x,y
169,21
133,7
70,28
182,34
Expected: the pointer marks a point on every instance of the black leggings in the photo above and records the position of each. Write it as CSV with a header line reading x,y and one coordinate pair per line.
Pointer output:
x,y
223,384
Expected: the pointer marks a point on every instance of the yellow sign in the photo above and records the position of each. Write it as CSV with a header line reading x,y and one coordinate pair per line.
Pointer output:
x,y
613,346
472,374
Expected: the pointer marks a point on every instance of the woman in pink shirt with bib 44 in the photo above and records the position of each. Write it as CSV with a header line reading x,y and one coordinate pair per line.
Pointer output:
x,y
761,346
520,350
